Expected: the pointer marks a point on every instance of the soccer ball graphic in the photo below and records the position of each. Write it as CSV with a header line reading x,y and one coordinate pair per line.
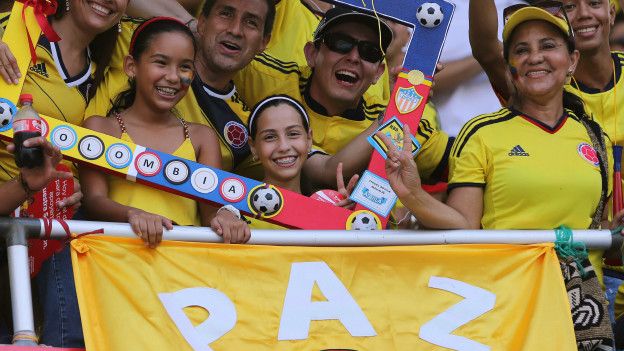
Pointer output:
x,y
5,114
364,221
266,201
429,14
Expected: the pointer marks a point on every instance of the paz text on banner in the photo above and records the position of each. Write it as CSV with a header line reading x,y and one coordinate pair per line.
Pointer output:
x,y
196,296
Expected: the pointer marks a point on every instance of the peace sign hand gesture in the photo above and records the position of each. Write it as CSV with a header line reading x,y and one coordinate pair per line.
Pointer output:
x,y
401,169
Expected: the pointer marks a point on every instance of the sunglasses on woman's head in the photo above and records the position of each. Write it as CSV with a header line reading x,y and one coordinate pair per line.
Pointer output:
x,y
555,8
343,44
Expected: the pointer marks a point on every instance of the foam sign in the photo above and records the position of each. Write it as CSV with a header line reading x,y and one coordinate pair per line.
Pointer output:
x,y
430,20
189,179
157,169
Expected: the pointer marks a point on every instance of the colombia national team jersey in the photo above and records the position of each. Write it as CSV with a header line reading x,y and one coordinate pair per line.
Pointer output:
x,y
534,176
606,106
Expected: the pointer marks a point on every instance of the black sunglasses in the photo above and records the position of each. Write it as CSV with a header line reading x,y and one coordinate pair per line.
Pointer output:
x,y
343,44
555,8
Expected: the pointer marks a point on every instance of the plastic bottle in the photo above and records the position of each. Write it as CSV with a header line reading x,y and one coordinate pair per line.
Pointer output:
x,y
26,125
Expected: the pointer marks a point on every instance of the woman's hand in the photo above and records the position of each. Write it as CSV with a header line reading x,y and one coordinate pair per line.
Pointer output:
x,y
400,166
37,178
232,229
148,226
8,65
345,191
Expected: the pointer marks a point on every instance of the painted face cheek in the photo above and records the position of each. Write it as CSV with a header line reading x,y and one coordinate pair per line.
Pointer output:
x,y
512,69
185,79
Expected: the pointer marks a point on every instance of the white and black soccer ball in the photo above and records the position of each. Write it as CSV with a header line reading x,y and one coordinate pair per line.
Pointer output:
x,y
5,114
364,221
429,15
266,201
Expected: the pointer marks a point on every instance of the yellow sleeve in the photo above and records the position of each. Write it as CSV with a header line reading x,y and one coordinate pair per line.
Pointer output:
x,y
468,161
432,158
265,76
115,81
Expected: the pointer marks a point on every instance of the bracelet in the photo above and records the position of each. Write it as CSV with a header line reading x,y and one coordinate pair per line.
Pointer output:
x,y
29,192
233,210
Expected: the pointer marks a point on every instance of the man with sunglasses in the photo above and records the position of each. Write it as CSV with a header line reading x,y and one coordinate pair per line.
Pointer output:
x,y
345,57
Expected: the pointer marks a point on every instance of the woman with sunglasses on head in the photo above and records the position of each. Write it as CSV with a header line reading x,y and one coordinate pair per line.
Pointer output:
x,y
498,178
160,65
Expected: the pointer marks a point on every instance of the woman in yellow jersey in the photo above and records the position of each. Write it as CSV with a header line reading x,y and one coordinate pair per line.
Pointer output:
x,y
539,164
160,64
62,80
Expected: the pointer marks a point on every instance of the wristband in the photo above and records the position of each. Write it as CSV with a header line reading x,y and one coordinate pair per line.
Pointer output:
x,y
233,210
29,192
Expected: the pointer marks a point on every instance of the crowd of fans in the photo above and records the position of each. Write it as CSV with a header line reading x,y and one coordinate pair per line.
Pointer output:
x,y
178,76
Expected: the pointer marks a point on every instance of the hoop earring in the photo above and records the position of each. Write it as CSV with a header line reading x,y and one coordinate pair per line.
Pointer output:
x,y
254,158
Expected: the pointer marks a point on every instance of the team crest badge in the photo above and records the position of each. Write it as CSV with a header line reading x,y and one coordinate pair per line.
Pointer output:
x,y
235,134
588,153
407,100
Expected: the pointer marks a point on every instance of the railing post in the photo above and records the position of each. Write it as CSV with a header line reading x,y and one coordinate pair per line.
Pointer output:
x,y
16,232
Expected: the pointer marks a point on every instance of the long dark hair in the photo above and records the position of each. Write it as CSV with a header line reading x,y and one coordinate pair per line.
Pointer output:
x,y
101,47
142,38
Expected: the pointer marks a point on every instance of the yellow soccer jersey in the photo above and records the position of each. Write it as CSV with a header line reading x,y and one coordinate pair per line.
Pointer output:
x,y
534,176
332,133
55,93
4,20
606,107
224,112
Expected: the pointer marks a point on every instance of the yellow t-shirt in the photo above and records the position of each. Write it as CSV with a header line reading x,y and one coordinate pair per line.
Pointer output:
x,y
533,176
332,133
55,93
180,210
606,107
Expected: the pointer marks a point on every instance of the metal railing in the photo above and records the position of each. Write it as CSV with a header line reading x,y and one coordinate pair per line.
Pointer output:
x,y
18,230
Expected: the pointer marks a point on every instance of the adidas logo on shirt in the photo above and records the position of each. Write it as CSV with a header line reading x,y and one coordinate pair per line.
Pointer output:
x,y
518,151
40,68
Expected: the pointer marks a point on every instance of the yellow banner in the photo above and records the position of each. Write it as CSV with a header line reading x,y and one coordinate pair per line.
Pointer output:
x,y
191,296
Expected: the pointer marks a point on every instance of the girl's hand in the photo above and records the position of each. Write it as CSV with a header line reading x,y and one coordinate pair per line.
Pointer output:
x,y
400,166
75,199
8,65
345,191
233,229
148,226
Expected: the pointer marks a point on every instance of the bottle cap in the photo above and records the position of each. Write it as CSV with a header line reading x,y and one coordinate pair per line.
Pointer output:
x,y
25,98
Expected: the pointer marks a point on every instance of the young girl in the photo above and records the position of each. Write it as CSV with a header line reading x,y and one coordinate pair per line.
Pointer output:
x,y
280,138
160,67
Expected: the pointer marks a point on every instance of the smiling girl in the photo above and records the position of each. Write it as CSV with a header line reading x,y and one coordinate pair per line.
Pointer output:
x,y
160,67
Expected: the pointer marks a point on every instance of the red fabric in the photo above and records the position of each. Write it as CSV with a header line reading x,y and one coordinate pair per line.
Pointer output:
x,y
42,9
32,348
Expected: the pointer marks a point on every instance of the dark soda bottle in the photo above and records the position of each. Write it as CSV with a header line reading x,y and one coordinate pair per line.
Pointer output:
x,y
26,125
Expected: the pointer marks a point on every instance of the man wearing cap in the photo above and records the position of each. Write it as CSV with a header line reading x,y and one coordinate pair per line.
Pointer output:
x,y
344,59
